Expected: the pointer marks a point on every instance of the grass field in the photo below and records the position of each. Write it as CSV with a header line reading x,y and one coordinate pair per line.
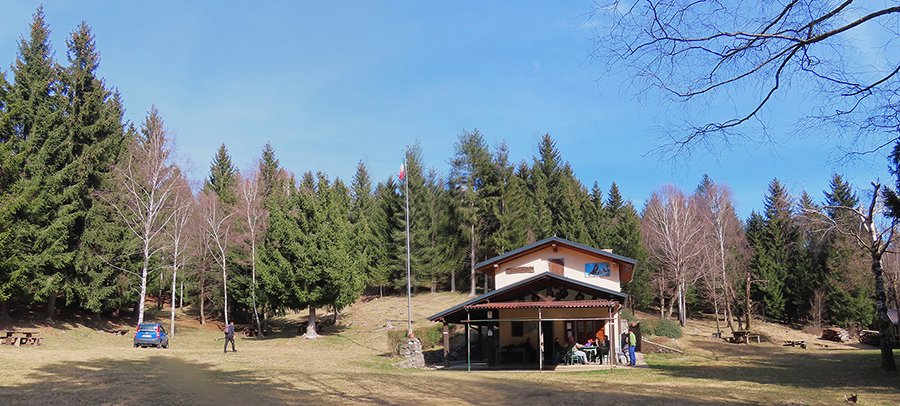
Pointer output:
x,y
350,365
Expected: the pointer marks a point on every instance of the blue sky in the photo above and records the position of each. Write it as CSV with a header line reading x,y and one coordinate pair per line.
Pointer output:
x,y
332,83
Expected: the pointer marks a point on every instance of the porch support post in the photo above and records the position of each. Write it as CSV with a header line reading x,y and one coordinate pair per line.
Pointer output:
x,y
446,334
468,343
541,341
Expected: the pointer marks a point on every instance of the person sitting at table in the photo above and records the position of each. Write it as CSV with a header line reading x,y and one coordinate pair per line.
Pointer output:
x,y
527,345
558,349
590,343
576,350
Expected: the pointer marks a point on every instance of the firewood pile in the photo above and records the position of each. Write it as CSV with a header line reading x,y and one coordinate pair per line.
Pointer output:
x,y
870,337
836,334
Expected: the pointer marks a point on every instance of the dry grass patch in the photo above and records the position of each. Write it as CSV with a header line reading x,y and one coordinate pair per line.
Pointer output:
x,y
81,365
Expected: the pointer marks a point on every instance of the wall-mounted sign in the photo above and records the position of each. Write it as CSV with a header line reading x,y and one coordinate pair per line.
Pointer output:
x,y
596,269
521,269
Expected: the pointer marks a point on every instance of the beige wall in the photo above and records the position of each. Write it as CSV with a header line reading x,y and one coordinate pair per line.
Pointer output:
x,y
574,268
559,330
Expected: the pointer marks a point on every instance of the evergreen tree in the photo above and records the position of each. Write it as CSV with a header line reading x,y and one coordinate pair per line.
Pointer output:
x,y
36,109
511,208
470,166
623,236
774,249
362,210
849,293
388,223
94,123
223,177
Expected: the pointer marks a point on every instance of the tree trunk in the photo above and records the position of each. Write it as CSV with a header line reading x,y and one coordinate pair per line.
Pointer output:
x,y
884,323
174,290
51,304
159,295
225,287
453,281
202,295
181,298
311,325
716,309
144,270
747,302
259,330
729,314
682,306
662,302
472,260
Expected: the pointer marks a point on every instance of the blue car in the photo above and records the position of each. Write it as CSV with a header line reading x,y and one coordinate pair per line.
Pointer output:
x,y
151,335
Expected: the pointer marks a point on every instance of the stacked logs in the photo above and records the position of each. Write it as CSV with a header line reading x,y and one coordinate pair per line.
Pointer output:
x,y
836,334
870,337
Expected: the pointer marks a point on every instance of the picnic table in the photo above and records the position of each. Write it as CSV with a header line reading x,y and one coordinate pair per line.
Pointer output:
x,y
18,338
744,336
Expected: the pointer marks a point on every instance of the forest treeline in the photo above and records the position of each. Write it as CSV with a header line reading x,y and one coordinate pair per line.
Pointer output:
x,y
96,216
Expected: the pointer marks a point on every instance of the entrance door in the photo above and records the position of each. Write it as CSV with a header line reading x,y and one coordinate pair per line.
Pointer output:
x,y
547,328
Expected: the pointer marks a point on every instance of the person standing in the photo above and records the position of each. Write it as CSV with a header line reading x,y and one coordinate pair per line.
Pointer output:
x,y
229,336
632,342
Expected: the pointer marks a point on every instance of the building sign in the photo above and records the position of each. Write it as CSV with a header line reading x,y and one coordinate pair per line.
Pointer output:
x,y
522,269
596,269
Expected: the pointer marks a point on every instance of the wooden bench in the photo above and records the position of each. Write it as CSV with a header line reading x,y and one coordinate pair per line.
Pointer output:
x,y
19,338
794,343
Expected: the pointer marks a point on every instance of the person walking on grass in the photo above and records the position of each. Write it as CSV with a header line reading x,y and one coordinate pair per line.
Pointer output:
x,y
229,336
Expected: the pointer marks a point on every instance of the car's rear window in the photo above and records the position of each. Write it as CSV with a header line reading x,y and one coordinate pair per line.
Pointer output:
x,y
147,327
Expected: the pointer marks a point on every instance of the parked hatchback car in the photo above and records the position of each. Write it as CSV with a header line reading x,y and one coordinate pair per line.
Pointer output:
x,y
151,335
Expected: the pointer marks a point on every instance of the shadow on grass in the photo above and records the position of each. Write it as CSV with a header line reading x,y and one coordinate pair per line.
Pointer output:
x,y
156,380
168,380
853,369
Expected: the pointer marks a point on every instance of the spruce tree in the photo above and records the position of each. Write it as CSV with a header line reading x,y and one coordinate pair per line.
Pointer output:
x,y
362,210
388,224
511,208
223,176
94,122
849,293
469,168
774,250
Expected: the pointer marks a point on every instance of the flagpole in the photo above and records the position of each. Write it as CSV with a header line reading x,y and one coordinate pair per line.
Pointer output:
x,y
408,279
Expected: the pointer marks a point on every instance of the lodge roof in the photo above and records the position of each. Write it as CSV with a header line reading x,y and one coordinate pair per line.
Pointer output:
x,y
510,297
626,264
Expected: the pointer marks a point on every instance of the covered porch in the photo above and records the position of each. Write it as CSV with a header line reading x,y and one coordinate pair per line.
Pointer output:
x,y
517,327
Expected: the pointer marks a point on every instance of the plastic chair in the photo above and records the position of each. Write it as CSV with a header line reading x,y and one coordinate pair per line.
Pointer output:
x,y
570,357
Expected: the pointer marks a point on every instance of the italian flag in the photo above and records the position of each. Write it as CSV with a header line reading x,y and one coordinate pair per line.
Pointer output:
x,y
402,169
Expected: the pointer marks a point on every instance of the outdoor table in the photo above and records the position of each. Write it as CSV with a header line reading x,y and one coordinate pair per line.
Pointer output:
x,y
591,353
743,336
517,350
18,338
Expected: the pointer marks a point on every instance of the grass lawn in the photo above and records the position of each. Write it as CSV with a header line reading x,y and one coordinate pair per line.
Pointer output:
x,y
80,365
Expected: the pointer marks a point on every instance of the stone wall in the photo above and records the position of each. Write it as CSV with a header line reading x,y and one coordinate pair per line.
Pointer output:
x,y
411,351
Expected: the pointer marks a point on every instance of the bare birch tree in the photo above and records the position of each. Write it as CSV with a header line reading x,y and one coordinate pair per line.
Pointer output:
x,y
216,220
725,238
253,214
147,177
672,229
183,206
